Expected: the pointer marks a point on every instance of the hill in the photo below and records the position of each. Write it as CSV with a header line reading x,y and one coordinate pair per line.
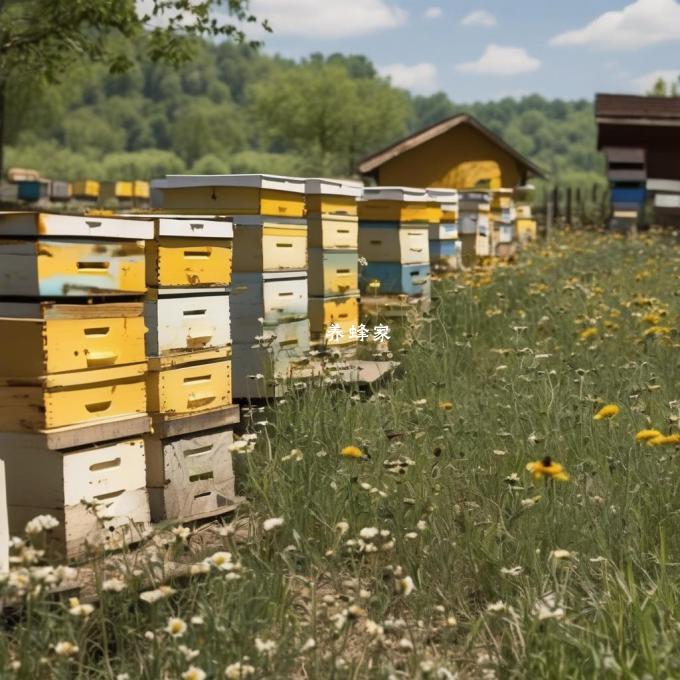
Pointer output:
x,y
236,110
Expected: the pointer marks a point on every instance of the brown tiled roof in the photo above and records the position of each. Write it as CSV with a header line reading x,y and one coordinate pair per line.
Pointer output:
x,y
634,106
374,161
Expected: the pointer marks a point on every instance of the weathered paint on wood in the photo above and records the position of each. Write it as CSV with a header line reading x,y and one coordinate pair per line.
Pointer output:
x,y
186,323
408,245
71,267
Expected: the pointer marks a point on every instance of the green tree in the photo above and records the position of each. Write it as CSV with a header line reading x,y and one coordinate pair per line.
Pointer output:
x,y
40,37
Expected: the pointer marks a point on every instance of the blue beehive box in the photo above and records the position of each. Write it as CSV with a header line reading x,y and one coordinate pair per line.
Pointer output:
x,y
31,190
628,194
440,250
395,278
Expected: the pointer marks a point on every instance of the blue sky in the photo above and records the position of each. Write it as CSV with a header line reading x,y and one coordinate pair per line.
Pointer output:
x,y
478,50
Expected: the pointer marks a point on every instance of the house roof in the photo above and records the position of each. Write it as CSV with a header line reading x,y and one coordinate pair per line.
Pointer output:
x,y
374,161
635,106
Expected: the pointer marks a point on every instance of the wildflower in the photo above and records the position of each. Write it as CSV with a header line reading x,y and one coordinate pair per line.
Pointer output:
x,y
272,523
665,440
608,411
342,528
545,609
265,646
309,645
152,596
188,653
657,330
445,405
194,673
647,435
368,533
65,648
405,644
651,318
41,523
547,468
496,607
238,671
352,452
512,479
176,627
561,554
587,334
374,629
405,586
221,560
77,609
113,585
149,636
421,525
529,502
181,532
512,571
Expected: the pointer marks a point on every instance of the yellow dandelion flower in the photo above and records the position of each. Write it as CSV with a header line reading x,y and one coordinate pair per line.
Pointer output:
x,y
608,411
658,330
446,405
547,468
587,333
647,435
651,318
352,452
665,440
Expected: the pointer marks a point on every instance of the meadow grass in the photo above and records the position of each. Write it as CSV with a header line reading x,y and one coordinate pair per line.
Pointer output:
x,y
436,554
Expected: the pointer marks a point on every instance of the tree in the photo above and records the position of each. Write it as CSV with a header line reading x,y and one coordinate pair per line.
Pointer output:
x,y
41,37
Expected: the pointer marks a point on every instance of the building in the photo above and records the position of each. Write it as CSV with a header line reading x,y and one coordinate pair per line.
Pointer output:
x,y
640,138
456,153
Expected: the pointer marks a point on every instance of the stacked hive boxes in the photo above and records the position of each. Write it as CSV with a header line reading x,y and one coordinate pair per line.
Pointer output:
x,y
85,190
124,193
269,300
473,225
188,346
503,217
394,239
72,378
526,225
445,248
333,227
666,193
627,175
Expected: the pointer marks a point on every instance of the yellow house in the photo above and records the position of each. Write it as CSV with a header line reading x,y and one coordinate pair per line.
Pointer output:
x,y
456,153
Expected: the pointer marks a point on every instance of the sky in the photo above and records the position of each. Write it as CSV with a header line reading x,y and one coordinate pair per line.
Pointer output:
x,y
479,50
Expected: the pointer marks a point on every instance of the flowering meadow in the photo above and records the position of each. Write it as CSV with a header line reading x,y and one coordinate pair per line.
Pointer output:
x,y
506,506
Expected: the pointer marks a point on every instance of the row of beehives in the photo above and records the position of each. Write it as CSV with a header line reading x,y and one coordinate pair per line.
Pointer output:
x,y
115,382
79,291
28,186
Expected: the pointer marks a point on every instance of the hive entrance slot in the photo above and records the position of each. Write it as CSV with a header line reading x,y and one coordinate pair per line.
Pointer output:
x,y
105,465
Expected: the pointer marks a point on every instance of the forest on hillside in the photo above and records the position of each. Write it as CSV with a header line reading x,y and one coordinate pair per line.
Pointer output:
x,y
234,109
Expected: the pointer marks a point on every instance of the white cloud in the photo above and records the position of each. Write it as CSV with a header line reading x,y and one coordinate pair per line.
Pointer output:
x,y
498,60
643,22
419,78
480,17
645,82
433,12
329,18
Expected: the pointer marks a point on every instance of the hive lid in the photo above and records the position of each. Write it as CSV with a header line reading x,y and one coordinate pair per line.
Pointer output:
x,y
26,223
442,195
403,194
333,187
275,182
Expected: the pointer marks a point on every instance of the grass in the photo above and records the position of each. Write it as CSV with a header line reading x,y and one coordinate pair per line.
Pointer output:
x,y
461,518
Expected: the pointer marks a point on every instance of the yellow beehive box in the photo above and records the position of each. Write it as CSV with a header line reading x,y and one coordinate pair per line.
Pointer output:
x,y
43,346
270,195
190,252
394,204
190,388
88,188
333,232
332,197
140,189
447,201
265,244
58,400
333,272
342,311
526,229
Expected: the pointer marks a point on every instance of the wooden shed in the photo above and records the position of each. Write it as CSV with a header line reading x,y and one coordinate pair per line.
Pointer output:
x,y
456,153
648,123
